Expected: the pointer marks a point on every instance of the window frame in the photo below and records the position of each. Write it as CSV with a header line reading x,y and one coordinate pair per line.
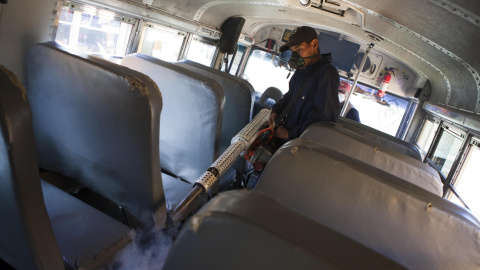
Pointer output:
x,y
419,132
248,53
470,142
118,16
458,133
201,39
153,25
407,118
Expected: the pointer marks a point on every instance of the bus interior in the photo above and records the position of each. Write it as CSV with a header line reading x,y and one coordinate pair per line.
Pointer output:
x,y
135,136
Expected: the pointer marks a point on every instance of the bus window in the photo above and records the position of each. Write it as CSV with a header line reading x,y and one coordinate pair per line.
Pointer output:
x,y
265,70
447,149
94,30
201,52
237,58
161,42
385,115
425,138
467,183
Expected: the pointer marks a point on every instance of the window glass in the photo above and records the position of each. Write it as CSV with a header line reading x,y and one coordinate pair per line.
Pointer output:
x,y
201,52
161,43
384,114
93,30
426,136
265,70
446,152
468,181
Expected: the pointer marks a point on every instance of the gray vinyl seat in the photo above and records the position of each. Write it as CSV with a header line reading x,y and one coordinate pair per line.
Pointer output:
x,y
353,144
98,122
239,96
191,121
397,219
247,230
262,103
43,227
271,92
381,137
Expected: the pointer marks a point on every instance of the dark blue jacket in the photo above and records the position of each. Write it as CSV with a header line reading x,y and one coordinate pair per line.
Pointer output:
x,y
319,100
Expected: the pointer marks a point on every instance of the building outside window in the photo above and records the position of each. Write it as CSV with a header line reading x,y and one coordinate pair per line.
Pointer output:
x,y
201,52
161,42
94,30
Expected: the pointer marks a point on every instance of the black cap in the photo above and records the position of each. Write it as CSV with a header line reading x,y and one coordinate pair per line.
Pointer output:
x,y
300,34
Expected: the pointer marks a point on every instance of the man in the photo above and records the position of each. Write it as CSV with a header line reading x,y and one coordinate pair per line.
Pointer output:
x,y
319,98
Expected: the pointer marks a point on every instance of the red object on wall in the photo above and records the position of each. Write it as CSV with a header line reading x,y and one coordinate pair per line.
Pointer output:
x,y
384,85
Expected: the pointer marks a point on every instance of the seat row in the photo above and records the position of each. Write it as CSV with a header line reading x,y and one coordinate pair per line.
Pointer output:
x,y
116,128
336,199
138,140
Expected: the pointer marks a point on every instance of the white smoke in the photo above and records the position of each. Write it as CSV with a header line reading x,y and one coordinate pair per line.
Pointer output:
x,y
148,250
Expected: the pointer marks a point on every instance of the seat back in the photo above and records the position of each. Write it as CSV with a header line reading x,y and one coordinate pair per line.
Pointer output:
x,y
403,222
98,122
354,145
247,230
191,121
261,104
381,137
271,92
27,240
239,96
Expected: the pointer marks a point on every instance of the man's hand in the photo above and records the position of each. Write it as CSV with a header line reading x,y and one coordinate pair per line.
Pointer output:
x,y
282,133
272,119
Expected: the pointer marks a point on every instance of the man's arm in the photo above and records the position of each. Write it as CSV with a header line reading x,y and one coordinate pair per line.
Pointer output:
x,y
283,102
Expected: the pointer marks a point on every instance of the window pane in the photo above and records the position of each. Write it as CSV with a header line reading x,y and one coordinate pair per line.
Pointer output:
x,y
264,70
161,44
63,33
382,114
446,152
236,60
201,52
66,15
426,135
468,181
93,30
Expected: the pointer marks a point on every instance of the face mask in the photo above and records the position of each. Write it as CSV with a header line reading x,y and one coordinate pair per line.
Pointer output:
x,y
296,61
341,97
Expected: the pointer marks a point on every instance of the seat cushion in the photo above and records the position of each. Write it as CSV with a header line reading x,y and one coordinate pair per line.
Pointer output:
x,y
87,237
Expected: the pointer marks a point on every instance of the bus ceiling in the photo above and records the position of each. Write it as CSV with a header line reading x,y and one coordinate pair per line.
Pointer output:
x,y
436,39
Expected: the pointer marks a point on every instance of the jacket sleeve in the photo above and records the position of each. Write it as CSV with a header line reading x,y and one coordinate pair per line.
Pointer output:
x,y
283,102
326,106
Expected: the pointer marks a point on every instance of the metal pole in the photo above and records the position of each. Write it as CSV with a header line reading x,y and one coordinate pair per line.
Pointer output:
x,y
188,205
241,68
347,99
219,61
